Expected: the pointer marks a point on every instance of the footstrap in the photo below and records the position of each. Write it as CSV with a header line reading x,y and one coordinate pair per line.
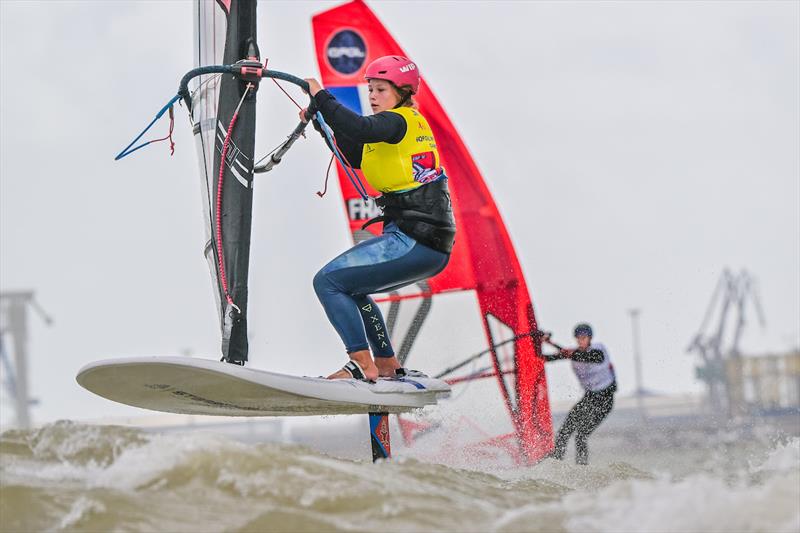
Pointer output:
x,y
403,372
355,370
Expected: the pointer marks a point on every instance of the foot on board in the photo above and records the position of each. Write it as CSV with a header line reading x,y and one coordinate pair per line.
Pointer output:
x,y
353,370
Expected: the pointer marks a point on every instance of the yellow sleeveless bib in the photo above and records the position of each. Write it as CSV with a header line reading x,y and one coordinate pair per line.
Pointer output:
x,y
405,165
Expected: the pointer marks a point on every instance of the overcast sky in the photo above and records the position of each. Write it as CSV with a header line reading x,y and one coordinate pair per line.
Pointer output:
x,y
635,150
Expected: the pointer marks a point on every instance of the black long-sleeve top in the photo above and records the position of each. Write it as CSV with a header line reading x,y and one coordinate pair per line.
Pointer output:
x,y
353,130
583,356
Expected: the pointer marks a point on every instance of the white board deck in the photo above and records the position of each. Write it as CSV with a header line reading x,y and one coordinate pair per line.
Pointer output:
x,y
205,387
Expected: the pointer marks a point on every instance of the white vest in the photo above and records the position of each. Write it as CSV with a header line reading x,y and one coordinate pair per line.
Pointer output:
x,y
595,376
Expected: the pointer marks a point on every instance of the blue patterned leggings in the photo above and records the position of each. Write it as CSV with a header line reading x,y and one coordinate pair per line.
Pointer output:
x,y
381,264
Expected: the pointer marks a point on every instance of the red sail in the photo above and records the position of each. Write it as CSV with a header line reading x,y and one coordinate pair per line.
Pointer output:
x,y
347,39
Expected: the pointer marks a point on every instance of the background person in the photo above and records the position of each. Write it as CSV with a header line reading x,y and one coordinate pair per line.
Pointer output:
x,y
593,368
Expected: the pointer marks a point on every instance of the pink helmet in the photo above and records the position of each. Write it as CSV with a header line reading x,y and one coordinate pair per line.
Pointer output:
x,y
396,69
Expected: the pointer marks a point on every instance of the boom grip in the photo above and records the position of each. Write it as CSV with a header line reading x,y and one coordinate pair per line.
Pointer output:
x,y
183,89
303,84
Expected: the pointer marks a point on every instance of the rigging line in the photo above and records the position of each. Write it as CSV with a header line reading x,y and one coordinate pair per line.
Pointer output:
x,y
169,135
208,80
215,77
327,175
351,175
128,150
343,156
534,334
364,195
220,251
287,94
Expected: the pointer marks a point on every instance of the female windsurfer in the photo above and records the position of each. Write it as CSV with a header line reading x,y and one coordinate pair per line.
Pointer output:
x,y
594,370
397,154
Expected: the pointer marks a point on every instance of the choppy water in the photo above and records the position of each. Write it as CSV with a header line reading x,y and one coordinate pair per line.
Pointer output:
x,y
74,477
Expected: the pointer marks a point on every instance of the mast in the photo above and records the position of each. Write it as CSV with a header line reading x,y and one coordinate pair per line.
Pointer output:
x,y
225,33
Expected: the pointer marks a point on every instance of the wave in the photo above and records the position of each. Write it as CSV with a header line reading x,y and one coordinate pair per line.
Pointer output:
x,y
76,477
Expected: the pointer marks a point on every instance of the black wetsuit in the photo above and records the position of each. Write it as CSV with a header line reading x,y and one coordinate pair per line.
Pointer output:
x,y
586,415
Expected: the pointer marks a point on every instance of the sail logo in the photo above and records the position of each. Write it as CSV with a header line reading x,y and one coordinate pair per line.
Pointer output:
x,y
233,158
358,209
335,52
346,52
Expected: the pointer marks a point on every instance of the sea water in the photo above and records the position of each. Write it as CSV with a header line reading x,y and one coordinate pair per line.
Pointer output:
x,y
69,476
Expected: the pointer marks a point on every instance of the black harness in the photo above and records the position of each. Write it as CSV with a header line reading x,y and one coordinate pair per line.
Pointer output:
x,y
425,214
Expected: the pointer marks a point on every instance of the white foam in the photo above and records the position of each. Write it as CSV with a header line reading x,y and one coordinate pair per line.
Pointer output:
x,y
82,507
783,457
698,503
142,465
763,498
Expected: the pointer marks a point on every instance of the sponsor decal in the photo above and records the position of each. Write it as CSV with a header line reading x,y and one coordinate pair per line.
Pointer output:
x,y
346,52
371,318
424,167
244,173
359,209
382,431
408,68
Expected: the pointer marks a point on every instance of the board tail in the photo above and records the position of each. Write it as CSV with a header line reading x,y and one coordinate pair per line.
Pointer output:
x,y
484,261
223,119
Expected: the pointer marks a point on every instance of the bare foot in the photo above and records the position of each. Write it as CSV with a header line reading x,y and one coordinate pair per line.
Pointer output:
x,y
364,359
386,366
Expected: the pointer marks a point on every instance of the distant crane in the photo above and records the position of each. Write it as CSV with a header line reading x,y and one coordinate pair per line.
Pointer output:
x,y
14,325
731,295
